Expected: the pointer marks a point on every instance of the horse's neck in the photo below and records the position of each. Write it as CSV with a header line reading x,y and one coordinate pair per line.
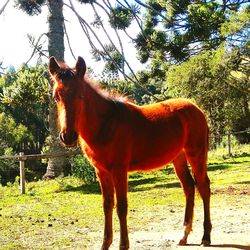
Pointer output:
x,y
95,109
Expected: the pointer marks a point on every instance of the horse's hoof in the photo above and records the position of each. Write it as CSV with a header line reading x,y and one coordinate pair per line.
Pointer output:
x,y
182,242
105,246
124,247
205,243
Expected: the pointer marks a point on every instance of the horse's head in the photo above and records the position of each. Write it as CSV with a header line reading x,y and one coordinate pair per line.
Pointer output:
x,y
67,95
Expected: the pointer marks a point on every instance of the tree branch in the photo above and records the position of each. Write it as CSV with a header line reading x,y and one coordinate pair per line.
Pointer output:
x,y
4,6
36,47
86,27
68,41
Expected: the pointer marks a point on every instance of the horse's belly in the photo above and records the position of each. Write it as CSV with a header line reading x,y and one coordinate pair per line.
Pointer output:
x,y
148,164
153,158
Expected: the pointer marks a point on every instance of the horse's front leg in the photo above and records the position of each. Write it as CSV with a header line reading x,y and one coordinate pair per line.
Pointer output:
x,y
108,205
121,187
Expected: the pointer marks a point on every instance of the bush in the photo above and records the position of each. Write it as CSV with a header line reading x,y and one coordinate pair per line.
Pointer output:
x,y
8,168
82,168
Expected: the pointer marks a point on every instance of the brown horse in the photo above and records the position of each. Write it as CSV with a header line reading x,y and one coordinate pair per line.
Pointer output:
x,y
119,136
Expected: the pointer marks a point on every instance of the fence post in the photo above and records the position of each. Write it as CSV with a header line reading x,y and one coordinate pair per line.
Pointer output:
x,y
22,174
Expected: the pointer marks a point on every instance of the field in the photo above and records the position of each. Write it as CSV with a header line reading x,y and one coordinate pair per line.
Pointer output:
x,y
66,213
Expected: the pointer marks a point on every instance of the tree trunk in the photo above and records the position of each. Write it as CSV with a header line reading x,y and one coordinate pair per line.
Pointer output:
x,y
56,166
56,32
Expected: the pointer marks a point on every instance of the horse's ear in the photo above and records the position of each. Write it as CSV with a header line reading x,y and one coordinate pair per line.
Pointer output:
x,y
80,67
53,65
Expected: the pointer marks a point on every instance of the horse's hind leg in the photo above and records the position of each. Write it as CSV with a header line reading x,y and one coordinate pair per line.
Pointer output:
x,y
188,185
198,161
204,190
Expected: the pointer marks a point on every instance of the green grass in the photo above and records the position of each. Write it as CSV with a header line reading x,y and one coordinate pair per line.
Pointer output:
x,y
67,213
225,171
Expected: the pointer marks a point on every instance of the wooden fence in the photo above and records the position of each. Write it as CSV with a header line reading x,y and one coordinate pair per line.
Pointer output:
x,y
22,158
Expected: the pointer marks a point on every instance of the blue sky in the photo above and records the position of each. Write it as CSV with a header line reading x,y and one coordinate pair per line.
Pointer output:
x,y
15,25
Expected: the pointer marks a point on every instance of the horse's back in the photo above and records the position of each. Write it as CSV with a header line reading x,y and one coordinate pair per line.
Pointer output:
x,y
183,110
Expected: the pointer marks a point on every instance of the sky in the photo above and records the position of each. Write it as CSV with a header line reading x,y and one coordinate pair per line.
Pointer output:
x,y
15,25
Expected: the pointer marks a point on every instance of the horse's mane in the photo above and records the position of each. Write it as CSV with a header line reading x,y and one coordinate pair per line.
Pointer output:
x,y
113,96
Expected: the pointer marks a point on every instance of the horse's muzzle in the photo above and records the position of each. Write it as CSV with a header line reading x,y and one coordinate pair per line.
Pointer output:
x,y
69,139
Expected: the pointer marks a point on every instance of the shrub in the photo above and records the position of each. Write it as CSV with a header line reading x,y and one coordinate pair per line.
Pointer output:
x,y
82,168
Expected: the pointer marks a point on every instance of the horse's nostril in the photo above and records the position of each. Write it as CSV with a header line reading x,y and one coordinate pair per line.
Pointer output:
x,y
62,136
75,136
69,139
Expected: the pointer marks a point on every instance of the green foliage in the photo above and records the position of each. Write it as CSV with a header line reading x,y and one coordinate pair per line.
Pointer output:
x,y
153,84
26,87
120,17
204,20
23,114
24,96
207,79
148,42
12,133
191,27
31,7
236,23
114,85
8,168
82,168
111,56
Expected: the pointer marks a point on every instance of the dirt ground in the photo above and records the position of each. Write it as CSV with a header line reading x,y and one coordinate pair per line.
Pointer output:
x,y
230,212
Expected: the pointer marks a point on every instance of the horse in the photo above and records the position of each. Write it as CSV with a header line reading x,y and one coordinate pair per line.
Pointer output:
x,y
119,136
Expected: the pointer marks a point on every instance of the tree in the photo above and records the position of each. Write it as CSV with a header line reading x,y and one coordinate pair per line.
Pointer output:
x,y
24,96
183,28
208,79
55,48
11,134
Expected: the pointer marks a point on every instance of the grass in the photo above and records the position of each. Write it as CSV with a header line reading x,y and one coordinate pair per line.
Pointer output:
x,y
67,214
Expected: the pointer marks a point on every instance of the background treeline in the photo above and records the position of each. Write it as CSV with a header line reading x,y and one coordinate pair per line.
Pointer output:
x,y
193,49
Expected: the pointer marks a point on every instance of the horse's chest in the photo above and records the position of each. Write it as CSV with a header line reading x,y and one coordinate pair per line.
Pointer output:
x,y
100,157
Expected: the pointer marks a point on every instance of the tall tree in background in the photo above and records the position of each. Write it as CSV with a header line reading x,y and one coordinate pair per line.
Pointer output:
x,y
55,48
223,92
180,29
